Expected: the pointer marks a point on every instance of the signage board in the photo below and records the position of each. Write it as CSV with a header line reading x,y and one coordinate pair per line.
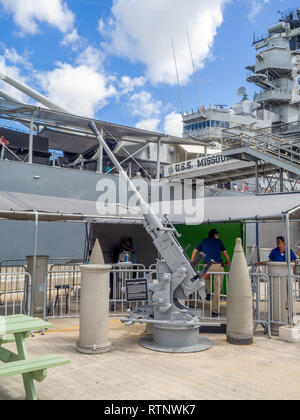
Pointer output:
x,y
194,164
136,290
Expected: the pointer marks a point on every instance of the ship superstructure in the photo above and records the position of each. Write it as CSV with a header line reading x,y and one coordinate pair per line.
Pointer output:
x,y
269,124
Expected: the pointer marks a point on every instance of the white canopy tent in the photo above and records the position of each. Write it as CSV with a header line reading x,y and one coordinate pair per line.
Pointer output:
x,y
284,207
21,206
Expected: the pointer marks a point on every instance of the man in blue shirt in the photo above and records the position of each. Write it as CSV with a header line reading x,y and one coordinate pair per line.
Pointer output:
x,y
213,248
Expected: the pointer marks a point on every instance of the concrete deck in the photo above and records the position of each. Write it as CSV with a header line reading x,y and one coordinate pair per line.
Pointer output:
x,y
269,369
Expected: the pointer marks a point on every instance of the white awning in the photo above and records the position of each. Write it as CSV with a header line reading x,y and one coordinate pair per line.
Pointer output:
x,y
20,206
245,207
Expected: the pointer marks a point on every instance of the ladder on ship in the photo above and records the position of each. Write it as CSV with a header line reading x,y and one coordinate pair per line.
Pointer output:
x,y
261,145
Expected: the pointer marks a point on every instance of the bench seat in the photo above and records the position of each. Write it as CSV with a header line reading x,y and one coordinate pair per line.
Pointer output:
x,y
35,364
7,339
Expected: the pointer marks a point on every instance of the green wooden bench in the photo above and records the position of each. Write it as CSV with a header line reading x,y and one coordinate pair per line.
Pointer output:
x,y
18,328
34,369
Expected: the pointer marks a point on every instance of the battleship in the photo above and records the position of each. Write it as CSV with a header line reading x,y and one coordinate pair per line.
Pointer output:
x,y
53,154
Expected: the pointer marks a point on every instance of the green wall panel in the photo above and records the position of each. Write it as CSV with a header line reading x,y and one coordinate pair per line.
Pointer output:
x,y
193,235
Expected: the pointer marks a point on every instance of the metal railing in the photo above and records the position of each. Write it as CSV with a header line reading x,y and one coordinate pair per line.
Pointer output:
x,y
20,265
62,294
11,266
62,290
266,143
118,277
281,302
214,308
15,293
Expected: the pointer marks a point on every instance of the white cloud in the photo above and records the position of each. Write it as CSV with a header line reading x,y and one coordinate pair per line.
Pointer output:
x,y
142,32
28,13
150,124
13,57
83,88
80,89
255,8
173,124
101,25
72,38
142,104
91,57
128,84
12,70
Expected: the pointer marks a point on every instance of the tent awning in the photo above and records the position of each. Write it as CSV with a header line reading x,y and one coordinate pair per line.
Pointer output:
x,y
21,206
242,207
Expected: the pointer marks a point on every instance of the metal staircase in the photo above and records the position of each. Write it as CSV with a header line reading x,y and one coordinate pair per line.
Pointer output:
x,y
252,144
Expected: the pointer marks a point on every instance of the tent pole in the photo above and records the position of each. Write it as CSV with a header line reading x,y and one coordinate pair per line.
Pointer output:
x,y
30,151
158,160
288,259
100,156
257,225
256,178
36,225
257,241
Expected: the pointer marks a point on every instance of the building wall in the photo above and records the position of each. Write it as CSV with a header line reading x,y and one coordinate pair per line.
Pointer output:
x,y
55,239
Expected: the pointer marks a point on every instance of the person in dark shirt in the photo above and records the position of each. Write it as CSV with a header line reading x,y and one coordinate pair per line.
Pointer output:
x,y
213,248
278,254
128,246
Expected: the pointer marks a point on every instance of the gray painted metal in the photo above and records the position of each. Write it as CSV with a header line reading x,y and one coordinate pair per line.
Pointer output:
x,y
259,155
176,277
169,339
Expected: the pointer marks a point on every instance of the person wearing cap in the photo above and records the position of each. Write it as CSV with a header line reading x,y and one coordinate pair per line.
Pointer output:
x,y
213,248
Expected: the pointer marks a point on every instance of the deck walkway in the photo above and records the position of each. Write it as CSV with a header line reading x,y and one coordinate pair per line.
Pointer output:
x,y
269,369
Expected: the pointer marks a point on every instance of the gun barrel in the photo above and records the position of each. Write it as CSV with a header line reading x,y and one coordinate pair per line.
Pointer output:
x,y
146,210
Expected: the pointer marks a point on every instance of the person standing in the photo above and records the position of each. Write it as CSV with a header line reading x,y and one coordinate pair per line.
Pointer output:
x,y
213,248
128,246
279,254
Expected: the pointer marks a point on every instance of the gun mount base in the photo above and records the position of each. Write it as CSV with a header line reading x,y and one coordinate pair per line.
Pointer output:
x,y
173,339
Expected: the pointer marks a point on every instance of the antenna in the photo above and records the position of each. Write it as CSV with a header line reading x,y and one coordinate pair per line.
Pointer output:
x,y
194,68
243,93
178,82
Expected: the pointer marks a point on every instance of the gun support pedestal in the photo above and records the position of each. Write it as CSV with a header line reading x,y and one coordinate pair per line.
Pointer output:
x,y
171,339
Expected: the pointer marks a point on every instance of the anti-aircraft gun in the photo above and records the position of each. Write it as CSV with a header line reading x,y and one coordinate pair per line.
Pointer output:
x,y
175,326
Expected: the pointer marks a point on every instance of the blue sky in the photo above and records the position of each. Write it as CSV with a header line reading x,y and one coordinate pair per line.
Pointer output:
x,y
113,59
